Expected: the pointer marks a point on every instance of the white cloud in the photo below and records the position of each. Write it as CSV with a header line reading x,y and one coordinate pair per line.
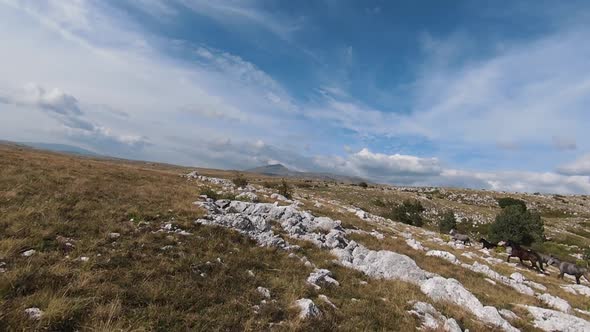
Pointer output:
x,y
67,110
581,166
218,109
378,166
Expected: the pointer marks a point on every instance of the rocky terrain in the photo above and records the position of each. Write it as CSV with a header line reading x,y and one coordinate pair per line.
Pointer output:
x,y
551,313
113,245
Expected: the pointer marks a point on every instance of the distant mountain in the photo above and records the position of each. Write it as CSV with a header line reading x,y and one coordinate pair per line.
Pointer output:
x,y
60,148
281,170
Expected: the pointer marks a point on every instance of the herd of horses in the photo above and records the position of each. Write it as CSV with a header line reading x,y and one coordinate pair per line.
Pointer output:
x,y
523,254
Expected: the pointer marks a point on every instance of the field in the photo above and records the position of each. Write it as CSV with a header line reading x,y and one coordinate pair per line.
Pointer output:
x,y
104,260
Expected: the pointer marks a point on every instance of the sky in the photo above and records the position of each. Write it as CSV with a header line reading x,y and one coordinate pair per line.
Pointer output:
x,y
485,95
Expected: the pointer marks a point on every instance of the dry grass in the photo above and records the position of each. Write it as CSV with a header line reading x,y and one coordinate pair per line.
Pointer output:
x,y
132,284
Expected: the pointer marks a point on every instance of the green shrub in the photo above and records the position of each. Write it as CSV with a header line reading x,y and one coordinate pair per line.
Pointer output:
x,y
285,189
239,180
409,213
518,225
363,184
210,193
509,201
447,222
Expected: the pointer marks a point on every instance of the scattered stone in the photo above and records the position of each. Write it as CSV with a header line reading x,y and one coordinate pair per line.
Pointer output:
x,y
444,255
323,277
34,313
508,314
327,300
416,245
555,302
377,235
307,309
432,319
442,289
264,292
552,320
84,259
250,273
29,253
517,277
2,267
249,196
114,236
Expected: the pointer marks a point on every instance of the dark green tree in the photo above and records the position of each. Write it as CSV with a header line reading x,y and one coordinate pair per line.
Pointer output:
x,y
408,213
508,201
285,189
240,180
447,222
518,225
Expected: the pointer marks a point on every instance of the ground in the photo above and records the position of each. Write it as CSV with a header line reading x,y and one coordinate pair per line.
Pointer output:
x,y
105,260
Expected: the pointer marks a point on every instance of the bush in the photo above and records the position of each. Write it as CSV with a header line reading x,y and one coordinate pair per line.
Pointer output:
x,y
509,201
363,185
210,193
239,180
285,189
518,225
408,213
447,222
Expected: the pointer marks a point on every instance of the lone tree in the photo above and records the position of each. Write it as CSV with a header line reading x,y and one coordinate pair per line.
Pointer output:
x,y
507,201
409,213
517,224
240,180
447,222
285,189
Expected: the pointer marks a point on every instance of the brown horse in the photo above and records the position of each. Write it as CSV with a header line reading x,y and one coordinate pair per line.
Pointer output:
x,y
524,255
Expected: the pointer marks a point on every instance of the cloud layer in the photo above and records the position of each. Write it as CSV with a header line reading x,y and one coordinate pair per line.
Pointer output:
x,y
511,118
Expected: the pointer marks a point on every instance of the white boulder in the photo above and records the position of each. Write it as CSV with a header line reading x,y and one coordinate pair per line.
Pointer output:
x,y
34,313
307,309
444,255
552,320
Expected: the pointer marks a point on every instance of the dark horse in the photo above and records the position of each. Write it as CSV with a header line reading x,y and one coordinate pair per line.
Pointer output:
x,y
524,255
486,244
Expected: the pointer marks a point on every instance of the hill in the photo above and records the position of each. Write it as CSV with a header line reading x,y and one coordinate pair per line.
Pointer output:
x,y
97,244
282,171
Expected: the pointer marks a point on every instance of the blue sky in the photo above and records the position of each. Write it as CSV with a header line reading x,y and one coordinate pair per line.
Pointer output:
x,y
491,95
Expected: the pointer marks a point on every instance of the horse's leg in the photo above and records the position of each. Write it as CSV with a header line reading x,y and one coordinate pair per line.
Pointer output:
x,y
508,259
560,275
577,279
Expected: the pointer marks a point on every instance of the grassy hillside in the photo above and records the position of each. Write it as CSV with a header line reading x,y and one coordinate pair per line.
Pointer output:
x,y
150,277
129,283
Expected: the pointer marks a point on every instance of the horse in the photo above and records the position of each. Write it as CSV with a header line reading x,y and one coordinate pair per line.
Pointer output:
x,y
524,255
545,259
569,268
486,244
459,237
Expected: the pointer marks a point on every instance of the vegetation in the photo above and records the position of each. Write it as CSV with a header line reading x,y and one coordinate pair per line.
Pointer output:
x,y
239,180
508,201
131,284
363,184
285,189
447,222
518,225
408,213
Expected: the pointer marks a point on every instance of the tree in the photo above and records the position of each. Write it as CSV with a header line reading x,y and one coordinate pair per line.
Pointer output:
x,y
408,213
518,225
239,180
508,201
447,222
285,189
